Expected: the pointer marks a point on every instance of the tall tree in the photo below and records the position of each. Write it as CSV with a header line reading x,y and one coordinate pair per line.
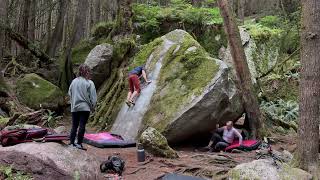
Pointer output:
x,y
77,32
56,38
123,25
26,14
97,10
32,20
250,100
241,5
49,19
3,17
308,133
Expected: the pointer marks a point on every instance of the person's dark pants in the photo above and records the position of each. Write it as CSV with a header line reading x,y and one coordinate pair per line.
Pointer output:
x,y
79,119
218,142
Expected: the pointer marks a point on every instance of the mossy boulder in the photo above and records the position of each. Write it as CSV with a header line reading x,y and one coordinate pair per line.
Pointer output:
x,y
194,91
99,60
249,47
37,93
190,92
155,143
264,169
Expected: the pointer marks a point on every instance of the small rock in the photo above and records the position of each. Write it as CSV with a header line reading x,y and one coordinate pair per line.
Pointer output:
x,y
154,142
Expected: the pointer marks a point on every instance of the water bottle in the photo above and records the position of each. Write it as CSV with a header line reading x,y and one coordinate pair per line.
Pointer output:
x,y
141,153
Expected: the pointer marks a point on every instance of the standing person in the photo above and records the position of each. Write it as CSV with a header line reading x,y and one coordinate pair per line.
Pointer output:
x,y
228,134
134,83
83,98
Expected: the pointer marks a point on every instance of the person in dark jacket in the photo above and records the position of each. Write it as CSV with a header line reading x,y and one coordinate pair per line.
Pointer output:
x,y
134,83
83,98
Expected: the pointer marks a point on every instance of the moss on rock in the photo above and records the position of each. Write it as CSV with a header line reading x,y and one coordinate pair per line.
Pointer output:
x,y
155,143
3,122
187,70
34,91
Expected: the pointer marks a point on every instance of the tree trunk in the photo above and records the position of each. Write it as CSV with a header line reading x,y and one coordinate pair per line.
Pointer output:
x,y
250,100
49,18
3,17
57,34
80,21
308,133
241,6
97,11
123,26
32,20
67,74
26,14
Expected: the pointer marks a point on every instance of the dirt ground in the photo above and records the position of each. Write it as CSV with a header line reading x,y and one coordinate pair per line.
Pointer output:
x,y
191,162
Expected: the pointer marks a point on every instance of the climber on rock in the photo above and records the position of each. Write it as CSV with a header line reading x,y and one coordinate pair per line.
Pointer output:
x,y
134,83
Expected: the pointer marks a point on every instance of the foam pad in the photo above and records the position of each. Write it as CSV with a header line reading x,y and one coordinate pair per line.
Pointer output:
x,y
107,140
247,145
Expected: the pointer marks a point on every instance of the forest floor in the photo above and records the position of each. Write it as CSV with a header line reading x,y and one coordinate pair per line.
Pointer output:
x,y
191,161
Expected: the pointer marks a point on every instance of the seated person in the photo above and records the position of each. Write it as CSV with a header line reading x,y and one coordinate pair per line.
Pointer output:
x,y
228,135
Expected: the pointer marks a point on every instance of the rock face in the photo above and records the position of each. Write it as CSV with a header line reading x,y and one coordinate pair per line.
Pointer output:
x,y
70,160
264,169
249,48
35,167
99,61
156,144
193,91
36,92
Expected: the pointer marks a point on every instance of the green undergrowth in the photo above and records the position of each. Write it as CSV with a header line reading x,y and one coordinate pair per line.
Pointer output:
x,y
8,173
204,24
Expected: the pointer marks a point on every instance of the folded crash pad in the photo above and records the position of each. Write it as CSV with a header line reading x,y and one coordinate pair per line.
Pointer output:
x,y
105,140
172,176
247,145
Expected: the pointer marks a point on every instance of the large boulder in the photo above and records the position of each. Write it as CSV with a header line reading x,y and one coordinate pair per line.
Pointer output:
x,y
249,47
68,159
155,143
264,169
37,93
99,60
194,91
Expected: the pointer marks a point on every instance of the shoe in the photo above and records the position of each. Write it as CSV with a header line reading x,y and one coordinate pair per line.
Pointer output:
x,y
79,146
71,145
128,103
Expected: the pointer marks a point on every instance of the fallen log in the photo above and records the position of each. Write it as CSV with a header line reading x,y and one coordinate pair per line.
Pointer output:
x,y
27,44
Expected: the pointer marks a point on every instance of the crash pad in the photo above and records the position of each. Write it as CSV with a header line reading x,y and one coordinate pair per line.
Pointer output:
x,y
106,140
247,145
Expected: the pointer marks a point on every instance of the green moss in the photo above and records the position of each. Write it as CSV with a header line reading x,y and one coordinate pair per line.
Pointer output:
x,y
83,48
10,173
32,90
3,121
184,75
143,55
102,29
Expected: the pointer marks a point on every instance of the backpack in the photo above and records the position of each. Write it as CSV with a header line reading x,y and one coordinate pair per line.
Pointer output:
x,y
114,164
16,136
12,137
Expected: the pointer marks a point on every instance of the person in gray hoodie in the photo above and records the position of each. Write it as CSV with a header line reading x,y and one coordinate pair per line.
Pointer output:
x,y
83,98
